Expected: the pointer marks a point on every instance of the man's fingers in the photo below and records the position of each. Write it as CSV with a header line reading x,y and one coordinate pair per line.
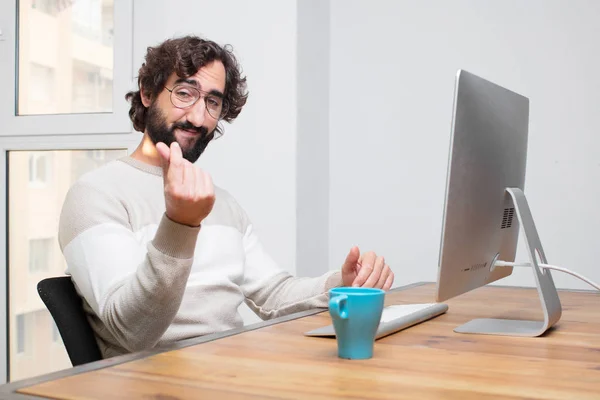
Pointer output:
x,y
367,264
385,272
388,283
189,180
189,192
165,154
376,273
351,260
176,152
176,165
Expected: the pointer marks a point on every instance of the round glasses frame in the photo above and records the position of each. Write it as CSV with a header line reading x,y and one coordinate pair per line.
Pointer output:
x,y
197,94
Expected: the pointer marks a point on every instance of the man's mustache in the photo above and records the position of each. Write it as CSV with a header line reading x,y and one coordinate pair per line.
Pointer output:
x,y
189,127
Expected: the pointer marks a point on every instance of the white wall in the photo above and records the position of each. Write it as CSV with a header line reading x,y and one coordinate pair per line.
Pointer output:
x,y
392,79
312,142
255,159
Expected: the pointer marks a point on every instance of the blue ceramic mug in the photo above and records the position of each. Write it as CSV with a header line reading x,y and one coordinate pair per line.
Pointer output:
x,y
356,313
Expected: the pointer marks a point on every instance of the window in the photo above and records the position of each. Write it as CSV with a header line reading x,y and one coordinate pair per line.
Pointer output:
x,y
87,79
87,19
20,333
34,342
41,88
40,254
70,65
96,154
40,168
65,57
50,7
55,333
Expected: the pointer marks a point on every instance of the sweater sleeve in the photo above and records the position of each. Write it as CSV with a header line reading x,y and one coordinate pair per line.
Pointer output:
x,y
271,291
134,286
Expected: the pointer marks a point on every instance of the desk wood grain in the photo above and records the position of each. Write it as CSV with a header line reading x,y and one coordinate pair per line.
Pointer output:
x,y
426,361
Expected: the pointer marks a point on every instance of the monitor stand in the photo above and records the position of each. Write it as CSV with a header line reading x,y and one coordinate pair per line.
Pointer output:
x,y
545,285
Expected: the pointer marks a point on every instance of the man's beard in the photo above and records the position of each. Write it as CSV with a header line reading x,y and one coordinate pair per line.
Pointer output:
x,y
159,131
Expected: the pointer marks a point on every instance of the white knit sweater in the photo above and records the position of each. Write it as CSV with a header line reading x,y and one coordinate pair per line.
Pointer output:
x,y
148,281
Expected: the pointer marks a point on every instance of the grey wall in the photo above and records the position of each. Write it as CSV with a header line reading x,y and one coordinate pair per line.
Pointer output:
x,y
312,142
392,70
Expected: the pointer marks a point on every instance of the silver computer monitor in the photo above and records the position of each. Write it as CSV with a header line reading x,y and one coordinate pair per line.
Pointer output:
x,y
484,200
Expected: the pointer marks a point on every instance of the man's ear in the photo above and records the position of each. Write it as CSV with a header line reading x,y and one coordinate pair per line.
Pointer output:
x,y
146,101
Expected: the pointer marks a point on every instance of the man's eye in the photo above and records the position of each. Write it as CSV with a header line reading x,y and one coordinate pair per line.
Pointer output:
x,y
184,94
213,102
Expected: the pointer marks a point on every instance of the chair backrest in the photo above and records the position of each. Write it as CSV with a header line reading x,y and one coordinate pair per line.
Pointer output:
x,y
66,307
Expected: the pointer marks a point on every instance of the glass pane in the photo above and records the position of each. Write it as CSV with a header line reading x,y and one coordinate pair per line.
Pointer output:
x,y
40,254
65,56
37,184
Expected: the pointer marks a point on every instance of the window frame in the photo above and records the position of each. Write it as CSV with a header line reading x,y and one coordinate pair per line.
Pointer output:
x,y
85,131
66,124
127,141
21,318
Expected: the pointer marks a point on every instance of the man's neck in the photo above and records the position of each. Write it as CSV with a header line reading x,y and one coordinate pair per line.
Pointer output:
x,y
146,152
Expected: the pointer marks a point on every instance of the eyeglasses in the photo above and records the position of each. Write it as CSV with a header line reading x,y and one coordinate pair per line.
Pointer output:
x,y
183,96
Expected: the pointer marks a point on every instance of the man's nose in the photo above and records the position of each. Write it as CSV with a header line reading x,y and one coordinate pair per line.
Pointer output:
x,y
197,113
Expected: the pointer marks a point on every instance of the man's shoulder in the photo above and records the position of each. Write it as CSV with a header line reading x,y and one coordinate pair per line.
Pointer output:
x,y
102,188
106,172
91,202
114,178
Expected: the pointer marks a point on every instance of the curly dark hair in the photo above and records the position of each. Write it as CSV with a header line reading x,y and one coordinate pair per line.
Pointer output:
x,y
185,56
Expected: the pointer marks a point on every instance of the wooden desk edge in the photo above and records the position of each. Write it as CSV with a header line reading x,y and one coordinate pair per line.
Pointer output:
x,y
9,390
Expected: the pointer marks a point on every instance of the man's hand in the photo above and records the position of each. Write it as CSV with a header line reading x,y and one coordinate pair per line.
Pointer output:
x,y
189,191
366,270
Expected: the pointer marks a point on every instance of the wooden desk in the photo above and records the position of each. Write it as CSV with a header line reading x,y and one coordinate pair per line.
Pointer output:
x,y
426,361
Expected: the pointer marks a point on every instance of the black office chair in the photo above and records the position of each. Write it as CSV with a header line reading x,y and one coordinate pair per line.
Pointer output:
x,y
66,308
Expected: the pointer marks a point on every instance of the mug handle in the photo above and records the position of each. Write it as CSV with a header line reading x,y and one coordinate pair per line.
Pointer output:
x,y
337,305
